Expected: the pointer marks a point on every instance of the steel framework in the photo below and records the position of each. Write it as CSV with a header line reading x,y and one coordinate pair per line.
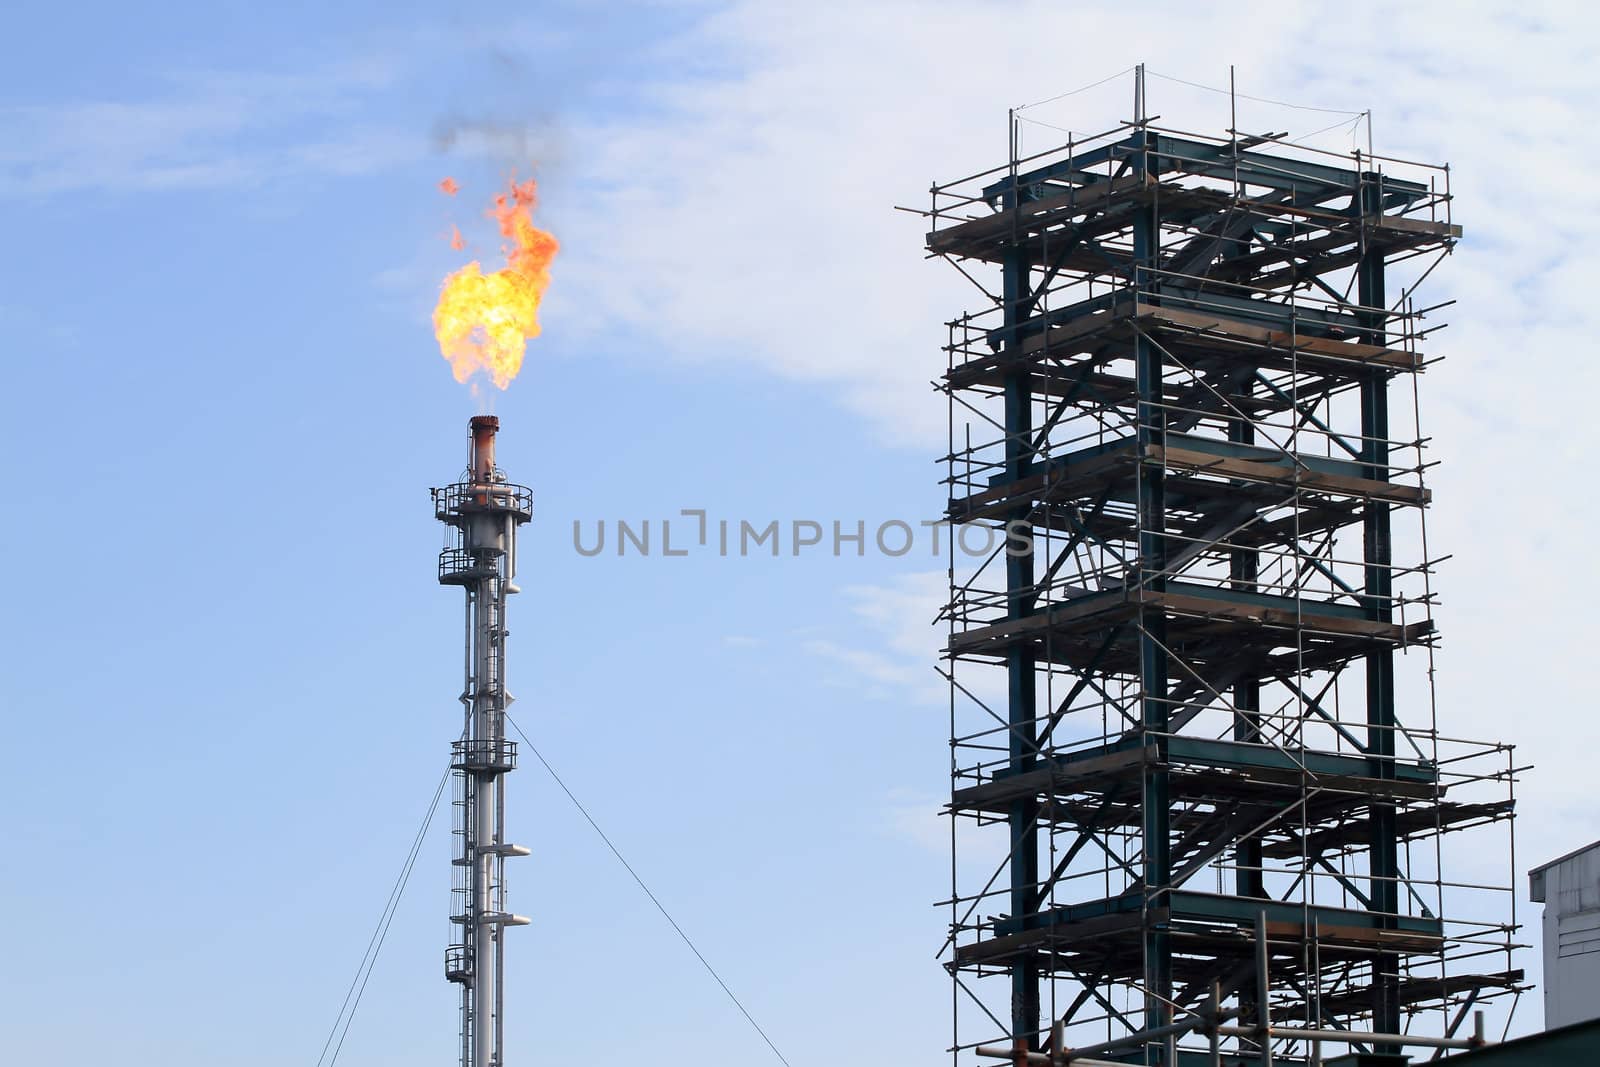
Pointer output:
x,y
1189,411
482,513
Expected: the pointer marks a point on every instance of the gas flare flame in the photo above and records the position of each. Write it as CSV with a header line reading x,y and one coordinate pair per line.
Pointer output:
x,y
484,321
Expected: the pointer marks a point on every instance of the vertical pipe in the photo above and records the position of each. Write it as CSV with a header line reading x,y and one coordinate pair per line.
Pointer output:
x,y
488,535
469,927
486,734
483,428
482,834
499,905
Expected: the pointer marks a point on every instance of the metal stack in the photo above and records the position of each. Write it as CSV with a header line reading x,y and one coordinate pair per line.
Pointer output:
x,y
482,512
1191,403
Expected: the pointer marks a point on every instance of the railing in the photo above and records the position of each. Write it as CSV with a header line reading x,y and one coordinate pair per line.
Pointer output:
x,y
458,963
1085,162
484,754
457,565
982,601
463,498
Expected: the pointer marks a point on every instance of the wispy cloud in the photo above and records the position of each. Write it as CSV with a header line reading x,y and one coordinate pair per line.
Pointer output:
x,y
764,181
747,195
895,647
921,819
916,817
755,198
203,129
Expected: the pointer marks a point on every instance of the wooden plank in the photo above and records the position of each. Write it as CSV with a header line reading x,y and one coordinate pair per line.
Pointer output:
x,y
1058,336
1344,351
1104,326
978,505
1109,607
1045,779
1032,215
1083,930
1305,617
1221,200
1258,471
1360,936
1090,475
974,238
1108,603
1062,336
1412,991
1406,224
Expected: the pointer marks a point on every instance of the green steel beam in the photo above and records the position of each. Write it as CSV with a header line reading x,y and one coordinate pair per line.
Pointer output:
x,y
1311,182
1021,698
1384,856
1191,906
1153,666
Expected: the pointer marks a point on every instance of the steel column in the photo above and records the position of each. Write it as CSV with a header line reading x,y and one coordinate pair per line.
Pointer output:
x,y
484,514
1384,867
1155,710
1021,696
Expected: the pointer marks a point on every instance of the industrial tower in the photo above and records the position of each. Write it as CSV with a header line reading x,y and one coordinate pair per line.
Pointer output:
x,y
1197,695
482,512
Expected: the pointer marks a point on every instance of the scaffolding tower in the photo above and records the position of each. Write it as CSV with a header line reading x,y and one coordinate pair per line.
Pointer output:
x,y
1193,681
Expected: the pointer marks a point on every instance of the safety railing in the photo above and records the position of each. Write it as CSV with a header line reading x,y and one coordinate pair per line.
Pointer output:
x,y
462,498
497,754
458,963
457,566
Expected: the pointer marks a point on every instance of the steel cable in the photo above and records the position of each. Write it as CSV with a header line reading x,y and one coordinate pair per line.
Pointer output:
x,y
664,913
358,984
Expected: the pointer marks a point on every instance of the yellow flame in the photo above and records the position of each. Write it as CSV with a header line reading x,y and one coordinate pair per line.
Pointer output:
x,y
484,321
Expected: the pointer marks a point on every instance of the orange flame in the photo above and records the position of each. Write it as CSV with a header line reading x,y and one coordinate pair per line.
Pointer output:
x,y
484,321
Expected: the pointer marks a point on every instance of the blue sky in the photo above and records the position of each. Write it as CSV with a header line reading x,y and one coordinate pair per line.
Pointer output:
x,y
229,676
225,395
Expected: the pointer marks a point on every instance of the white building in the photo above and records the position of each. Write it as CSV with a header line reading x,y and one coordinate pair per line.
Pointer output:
x,y
1569,889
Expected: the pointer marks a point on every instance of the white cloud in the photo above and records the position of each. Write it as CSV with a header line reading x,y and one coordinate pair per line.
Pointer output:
x,y
898,646
752,208
756,208
207,129
917,817
746,214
